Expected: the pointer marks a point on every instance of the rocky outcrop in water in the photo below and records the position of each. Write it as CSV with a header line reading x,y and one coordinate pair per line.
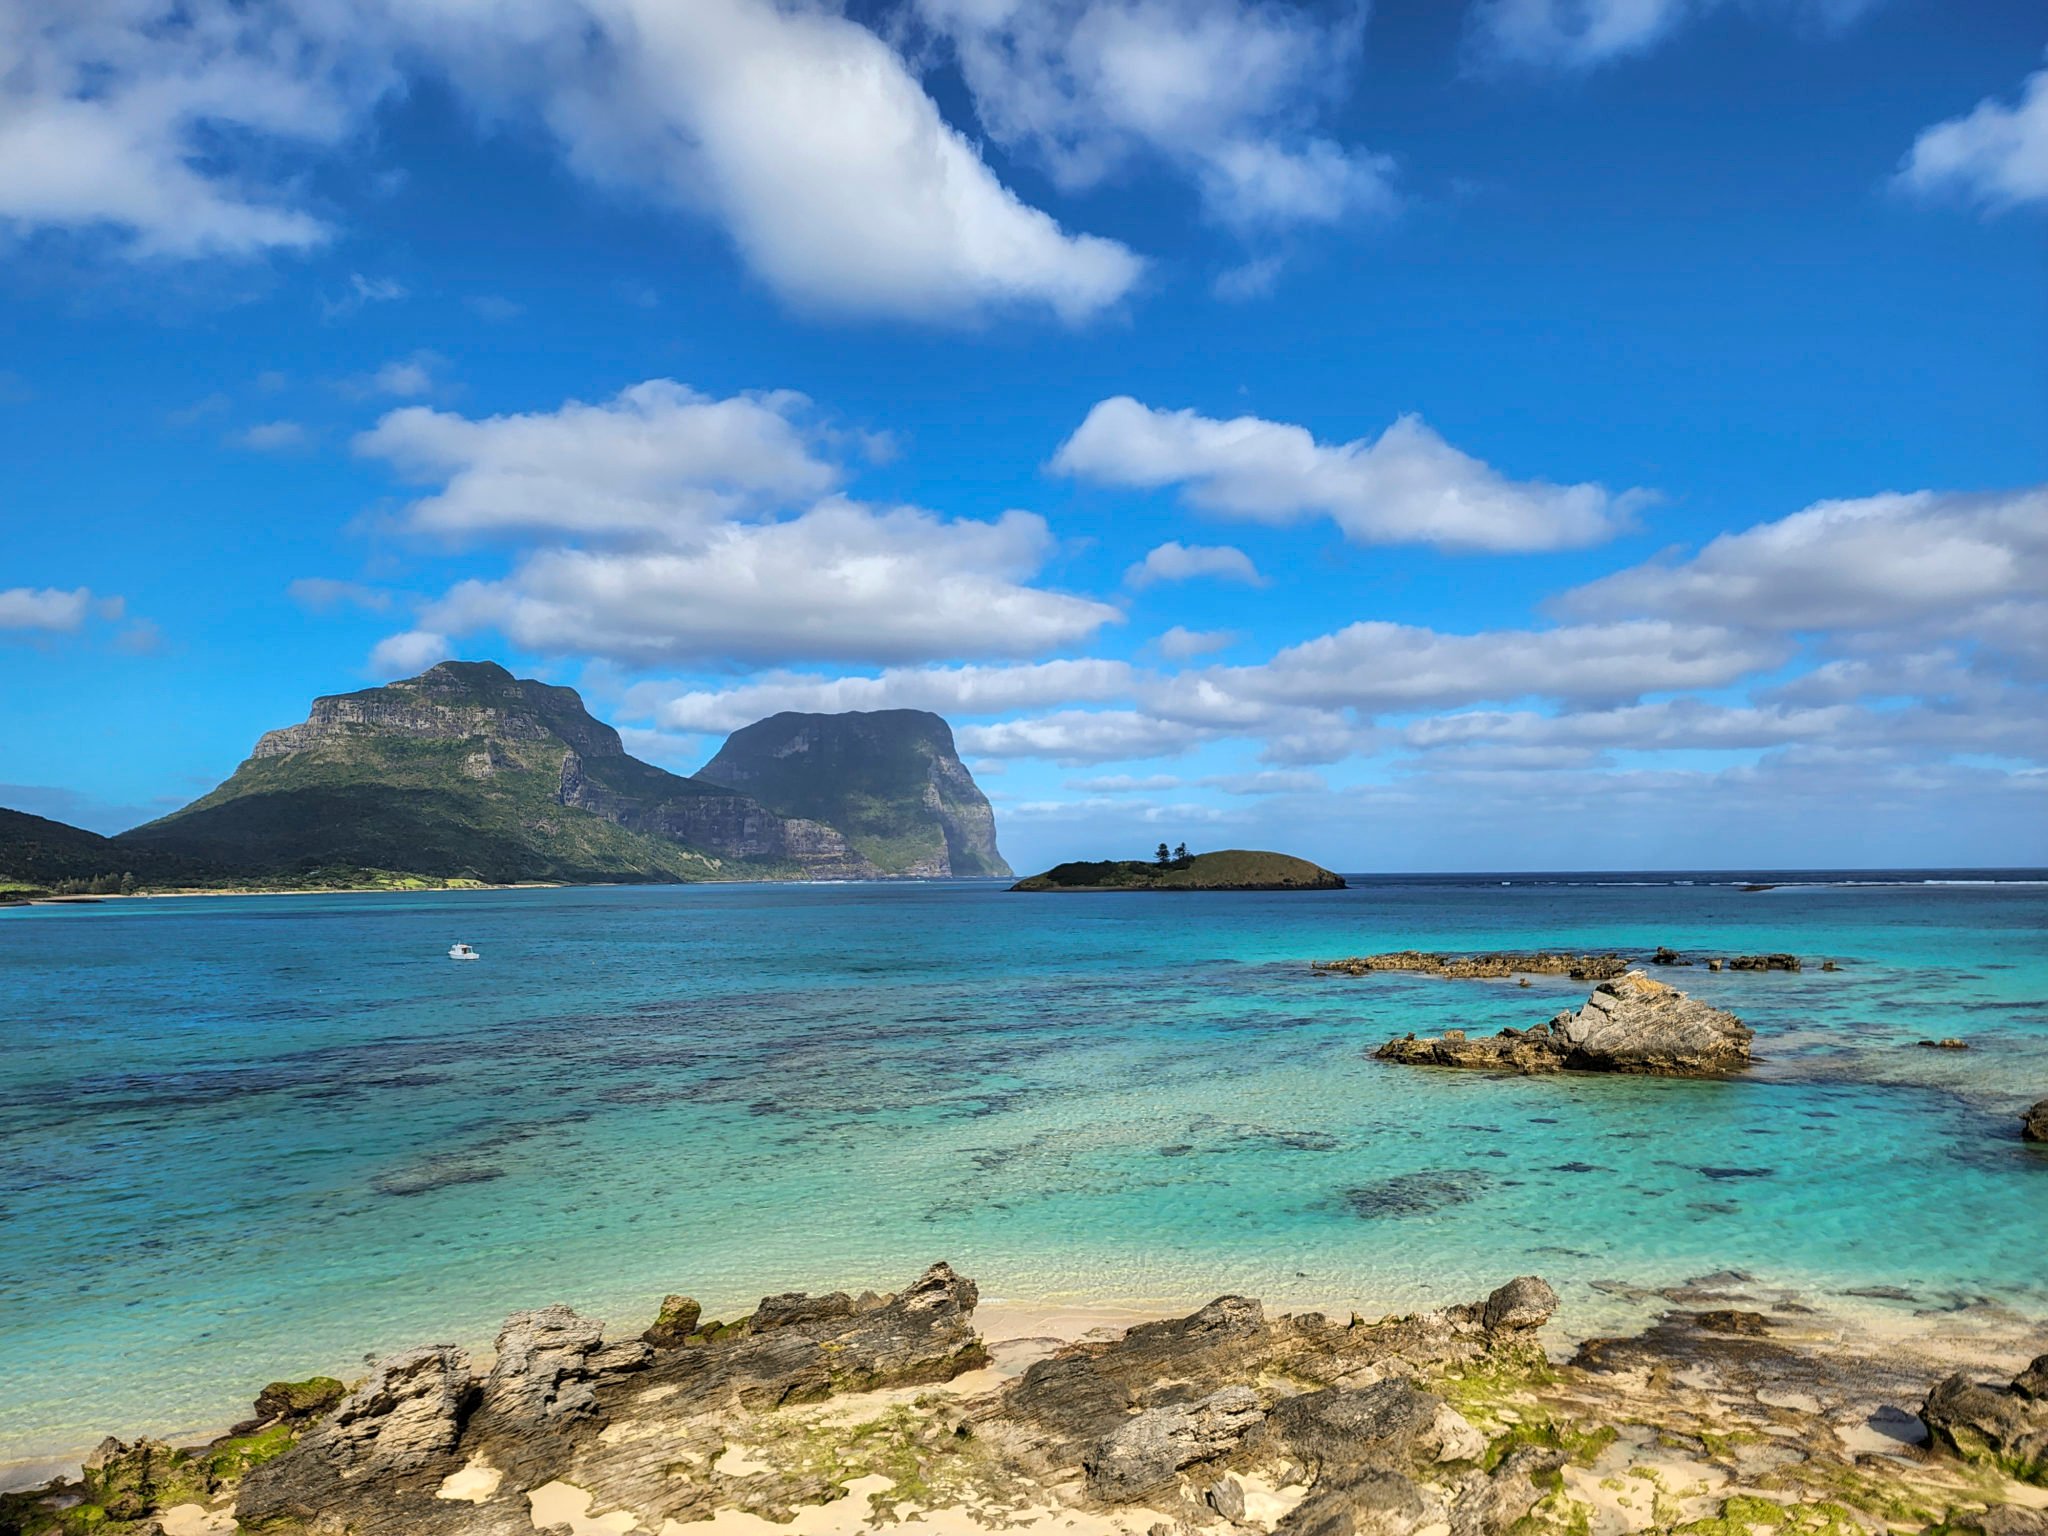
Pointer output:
x,y
2004,1427
1630,1024
1490,966
2034,1123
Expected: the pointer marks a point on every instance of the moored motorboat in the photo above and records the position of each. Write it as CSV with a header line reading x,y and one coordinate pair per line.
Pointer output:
x,y
462,952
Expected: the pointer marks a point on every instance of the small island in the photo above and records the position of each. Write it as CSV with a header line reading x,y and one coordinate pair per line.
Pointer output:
x,y
1232,869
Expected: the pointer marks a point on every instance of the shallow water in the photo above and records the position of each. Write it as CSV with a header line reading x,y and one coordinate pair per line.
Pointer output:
x,y
243,1138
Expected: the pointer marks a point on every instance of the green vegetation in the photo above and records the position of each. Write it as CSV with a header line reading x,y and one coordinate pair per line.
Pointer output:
x,y
889,780
1233,869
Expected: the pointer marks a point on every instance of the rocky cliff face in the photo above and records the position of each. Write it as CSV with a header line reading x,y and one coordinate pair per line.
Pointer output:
x,y
468,770
890,780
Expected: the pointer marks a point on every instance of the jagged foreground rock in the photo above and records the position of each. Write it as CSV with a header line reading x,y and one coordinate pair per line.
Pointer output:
x,y
859,1413
1631,1023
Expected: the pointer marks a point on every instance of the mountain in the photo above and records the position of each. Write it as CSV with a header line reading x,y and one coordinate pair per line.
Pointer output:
x,y
1231,869
889,779
467,770
36,851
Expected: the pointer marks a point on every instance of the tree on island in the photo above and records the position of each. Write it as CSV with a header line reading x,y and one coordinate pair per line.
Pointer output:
x,y
1164,856
1181,854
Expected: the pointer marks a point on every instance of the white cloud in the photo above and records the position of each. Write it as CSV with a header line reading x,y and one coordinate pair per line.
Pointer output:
x,y
363,290
799,130
324,594
1880,561
115,113
1125,783
1996,155
1175,561
1075,737
1580,34
945,690
1268,781
1226,92
1378,667
407,376
45,608
656,460
1253,279
403,655
1182,644
1408,486
842,582
273,437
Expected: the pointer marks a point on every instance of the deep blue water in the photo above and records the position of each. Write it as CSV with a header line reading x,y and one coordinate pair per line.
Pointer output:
x,y
250,1137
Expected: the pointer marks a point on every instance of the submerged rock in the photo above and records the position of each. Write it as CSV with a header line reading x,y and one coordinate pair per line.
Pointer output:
x,y
1778,962
1629,1024
1492,965
2004,1427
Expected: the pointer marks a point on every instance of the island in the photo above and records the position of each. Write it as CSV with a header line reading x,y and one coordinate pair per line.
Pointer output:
x,y
1232,869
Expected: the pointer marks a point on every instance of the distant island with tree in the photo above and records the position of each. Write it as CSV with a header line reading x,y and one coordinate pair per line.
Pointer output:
x,y
1176,869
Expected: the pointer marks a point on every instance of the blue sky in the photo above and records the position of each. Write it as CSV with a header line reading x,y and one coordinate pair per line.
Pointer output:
x,y
1506,434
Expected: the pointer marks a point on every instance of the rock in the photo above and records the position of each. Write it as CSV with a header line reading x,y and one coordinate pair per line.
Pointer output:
x,y
2004,1520
2034,1123
1524,1302
397,1432
1629,1024
1388,1423
1667,956
674,1323
1457,1437
1728,1320
1492,1505
1713,965
1829,965
297,1401
1947,1043
1150,1447
1778,962
1635,1024
793,1307
1490,966
1226,1497
1376,1502
128,1480
2006,1427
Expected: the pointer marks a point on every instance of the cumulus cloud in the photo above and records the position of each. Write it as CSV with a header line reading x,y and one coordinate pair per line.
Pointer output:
x,y
50,609
113,114
1996,155
324,594
1580,34
656,460
407,376
1175,561
1183,644
273,437
1407,486
800,131
1877,561
841,582
403,655
944,690
1226,92
1076,737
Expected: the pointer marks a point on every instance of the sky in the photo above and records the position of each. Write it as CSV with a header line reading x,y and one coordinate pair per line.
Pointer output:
x,y
1475,434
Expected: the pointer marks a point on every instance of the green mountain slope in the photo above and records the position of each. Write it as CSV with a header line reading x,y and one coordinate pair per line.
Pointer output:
x,y
35,851
469,771
1232,869
889,779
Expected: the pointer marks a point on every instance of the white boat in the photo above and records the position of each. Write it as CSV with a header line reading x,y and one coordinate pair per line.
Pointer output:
x,y
462,952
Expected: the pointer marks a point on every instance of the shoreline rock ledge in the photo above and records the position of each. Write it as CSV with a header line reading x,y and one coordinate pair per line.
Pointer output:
x,y
1631,1024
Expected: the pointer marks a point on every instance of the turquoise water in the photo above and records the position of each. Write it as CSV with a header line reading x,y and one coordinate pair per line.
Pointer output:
x,y
243,1138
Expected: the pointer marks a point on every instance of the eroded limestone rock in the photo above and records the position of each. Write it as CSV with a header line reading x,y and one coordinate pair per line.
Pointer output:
x,y
2005,1427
